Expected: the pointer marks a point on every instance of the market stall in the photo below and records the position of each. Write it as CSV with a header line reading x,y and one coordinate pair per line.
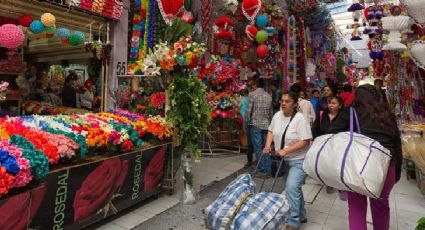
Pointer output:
x,y
80,166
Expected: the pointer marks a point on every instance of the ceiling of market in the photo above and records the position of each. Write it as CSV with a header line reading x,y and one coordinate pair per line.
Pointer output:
x,y
343,21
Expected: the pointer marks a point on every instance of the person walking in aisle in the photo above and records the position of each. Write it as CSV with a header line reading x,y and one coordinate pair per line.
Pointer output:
x,y
275,97
322,125
259,114
291,134
315,100
304,106
327,93
377,122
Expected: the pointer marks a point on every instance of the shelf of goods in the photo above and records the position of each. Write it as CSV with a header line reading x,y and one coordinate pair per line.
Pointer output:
x,y
72,171
413,144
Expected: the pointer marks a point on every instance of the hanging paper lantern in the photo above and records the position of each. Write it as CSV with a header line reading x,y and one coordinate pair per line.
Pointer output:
x,y
75,39
80,35
251,32
48,19
25,20
36,27
262,21
62,33
11,36
261,36
262,51
51,29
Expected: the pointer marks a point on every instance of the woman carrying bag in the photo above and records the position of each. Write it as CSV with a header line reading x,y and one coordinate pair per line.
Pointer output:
x,y
323,123
377,122
291,134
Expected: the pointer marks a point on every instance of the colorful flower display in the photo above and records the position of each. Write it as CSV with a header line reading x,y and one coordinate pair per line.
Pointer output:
x,y
30,144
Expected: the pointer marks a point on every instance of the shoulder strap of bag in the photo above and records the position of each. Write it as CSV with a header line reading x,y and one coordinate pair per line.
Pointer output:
x,y
354,118
321,116
252,110
282,142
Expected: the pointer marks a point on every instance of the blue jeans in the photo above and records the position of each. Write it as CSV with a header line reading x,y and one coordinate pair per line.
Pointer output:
x,y
294,194
258,140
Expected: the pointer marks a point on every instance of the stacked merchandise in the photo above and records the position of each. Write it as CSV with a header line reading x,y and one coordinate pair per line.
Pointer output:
x,y
31,145
414,150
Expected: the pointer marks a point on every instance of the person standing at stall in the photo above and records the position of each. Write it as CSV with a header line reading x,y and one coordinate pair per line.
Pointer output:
x,y
259,114
291,134
69,93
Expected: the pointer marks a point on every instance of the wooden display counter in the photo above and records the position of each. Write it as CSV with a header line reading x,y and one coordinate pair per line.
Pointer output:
x,y
73,197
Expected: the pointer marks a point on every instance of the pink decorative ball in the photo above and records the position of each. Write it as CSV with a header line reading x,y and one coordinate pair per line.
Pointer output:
x,y
11,36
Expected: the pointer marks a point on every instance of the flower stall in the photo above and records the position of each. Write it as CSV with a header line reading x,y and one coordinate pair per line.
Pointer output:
x,y
68,171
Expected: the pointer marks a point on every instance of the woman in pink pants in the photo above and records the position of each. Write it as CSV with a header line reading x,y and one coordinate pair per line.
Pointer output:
x,y
377,122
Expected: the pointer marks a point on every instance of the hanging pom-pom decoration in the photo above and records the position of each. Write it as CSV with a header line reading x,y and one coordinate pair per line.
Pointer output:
x,y
62,33
25,20
76,39
48,19
262,51
262,21
36,27
11,36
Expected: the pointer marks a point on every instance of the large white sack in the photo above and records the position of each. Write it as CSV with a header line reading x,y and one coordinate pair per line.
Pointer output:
x,y
360,166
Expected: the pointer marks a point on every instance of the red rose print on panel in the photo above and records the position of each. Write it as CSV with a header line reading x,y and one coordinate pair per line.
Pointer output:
x,y
15,211
98,188
155,170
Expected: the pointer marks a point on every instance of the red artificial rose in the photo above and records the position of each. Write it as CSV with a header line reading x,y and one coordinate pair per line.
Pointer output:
x,y
99,187
155,170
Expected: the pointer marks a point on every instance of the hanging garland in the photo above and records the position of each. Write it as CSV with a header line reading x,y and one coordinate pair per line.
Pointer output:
x,y
206,13
147,26
291,50
151,24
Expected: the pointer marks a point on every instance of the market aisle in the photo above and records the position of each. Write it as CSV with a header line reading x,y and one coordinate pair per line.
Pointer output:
x,y
206,171
325,211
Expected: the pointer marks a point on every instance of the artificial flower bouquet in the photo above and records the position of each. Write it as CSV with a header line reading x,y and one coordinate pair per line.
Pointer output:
x,y
165,58
224,105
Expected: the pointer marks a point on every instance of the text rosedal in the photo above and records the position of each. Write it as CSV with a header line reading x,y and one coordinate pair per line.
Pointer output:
x,y
137,177
60,201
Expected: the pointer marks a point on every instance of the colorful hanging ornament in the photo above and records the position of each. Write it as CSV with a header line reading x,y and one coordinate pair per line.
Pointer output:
x,y
118,8
262,51
416,9
170,9
395,25
250,8
261,21
11,36
261,36
37,27
62,33
86,4
25,20
48,19
98,5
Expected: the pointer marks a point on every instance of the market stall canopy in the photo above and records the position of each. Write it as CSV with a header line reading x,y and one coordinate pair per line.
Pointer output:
x,y
52,49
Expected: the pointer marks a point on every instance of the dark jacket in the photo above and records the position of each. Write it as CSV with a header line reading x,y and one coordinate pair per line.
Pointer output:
x,y
387,138
323,123
69,97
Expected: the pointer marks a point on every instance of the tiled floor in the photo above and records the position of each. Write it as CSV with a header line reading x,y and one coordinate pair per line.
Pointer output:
x,y
325,211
